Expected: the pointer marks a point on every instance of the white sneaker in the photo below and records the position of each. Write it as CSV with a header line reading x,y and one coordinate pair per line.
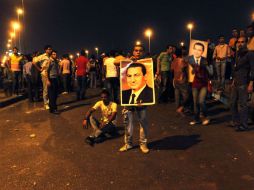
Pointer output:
x,y
205,122
125,148
46,107
144,148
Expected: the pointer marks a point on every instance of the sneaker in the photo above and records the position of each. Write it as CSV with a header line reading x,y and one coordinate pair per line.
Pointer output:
x,y
205,122
89,140
125,148
46,107
65,93
194,122
144,148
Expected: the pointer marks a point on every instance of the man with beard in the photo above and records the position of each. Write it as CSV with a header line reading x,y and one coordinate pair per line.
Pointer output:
x,y
242,85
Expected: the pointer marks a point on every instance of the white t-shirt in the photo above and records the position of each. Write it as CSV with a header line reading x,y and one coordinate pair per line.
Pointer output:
x,y
111,70
106,111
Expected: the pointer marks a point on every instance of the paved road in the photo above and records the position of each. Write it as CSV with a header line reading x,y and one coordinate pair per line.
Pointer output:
x,y
43,151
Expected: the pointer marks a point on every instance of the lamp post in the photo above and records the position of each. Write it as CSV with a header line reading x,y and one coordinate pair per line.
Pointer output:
x,y
148,34
97,52
87,53
190,27
19,12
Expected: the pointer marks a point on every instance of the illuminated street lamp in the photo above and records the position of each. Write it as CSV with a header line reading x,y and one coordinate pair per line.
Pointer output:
x,y
182,44
97,52
190,26
71,56
16,26
138,43
8,46
78,54
9,40
12,35
148,34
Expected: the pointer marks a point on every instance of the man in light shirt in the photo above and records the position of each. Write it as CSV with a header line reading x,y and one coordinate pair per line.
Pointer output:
x,y
111,80
44,59
221,54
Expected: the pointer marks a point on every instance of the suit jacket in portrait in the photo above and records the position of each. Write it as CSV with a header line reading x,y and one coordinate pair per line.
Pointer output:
x,y
146,96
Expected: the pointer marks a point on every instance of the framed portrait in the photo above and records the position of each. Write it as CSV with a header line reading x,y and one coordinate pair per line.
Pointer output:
x,y
137,82
191,53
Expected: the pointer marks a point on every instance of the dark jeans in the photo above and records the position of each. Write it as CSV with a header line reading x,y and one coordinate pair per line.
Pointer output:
x,y
181,92
239,107
199,96
66,82
112,85
81,88
16,77
30,88
166,88
52,94
221,72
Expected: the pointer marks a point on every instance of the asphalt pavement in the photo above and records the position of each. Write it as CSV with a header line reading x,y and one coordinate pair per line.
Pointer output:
x,y
44,151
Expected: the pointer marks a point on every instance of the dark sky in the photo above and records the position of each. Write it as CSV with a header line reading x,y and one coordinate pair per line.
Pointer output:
x,y
73,24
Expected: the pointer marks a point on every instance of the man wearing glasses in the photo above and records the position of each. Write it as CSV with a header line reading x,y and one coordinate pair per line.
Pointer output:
x,y
242,85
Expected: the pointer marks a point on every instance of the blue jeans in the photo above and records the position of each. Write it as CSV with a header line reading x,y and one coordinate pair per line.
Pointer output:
x,y
239,107
221,71
181,92
142,119
199,96
81,88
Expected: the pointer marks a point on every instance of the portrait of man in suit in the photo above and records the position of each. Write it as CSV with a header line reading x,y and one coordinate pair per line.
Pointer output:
x,y
139,92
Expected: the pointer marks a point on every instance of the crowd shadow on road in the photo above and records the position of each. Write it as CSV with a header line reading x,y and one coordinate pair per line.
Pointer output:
x,y
178,142
75,100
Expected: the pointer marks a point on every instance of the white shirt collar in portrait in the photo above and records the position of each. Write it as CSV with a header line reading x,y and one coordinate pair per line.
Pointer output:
x,y
136,94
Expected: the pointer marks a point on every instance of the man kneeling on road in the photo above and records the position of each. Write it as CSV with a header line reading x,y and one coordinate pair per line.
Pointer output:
x,y
107,124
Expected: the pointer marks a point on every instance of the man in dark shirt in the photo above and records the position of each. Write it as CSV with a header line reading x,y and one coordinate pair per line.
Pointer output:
x,y
52,82
242,84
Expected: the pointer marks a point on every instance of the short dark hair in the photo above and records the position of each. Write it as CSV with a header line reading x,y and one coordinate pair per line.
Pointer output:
x,y
139,46
169,45
82,52
105,91
221,36
47,46
199,44
133,65
15,48
54,51
66,56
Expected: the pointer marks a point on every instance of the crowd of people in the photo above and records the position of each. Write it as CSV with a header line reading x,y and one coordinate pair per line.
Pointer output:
x,y
188,80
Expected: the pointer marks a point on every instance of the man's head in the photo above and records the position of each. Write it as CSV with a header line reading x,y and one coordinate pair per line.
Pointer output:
x,y
66,56
198,49
136,76
250,31
221,39
48,49
54,54
241,43
138,51
105,96
235,33
170,49
15,50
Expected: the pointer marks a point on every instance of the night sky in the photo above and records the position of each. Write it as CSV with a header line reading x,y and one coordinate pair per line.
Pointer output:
x,y
111,24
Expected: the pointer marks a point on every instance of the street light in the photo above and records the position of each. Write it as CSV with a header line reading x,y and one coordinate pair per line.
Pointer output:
x,y
19,12
87,53
71,56
182,44
148,34
138,43
97,52
12,35
77,54
8,46
9,40
190,26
